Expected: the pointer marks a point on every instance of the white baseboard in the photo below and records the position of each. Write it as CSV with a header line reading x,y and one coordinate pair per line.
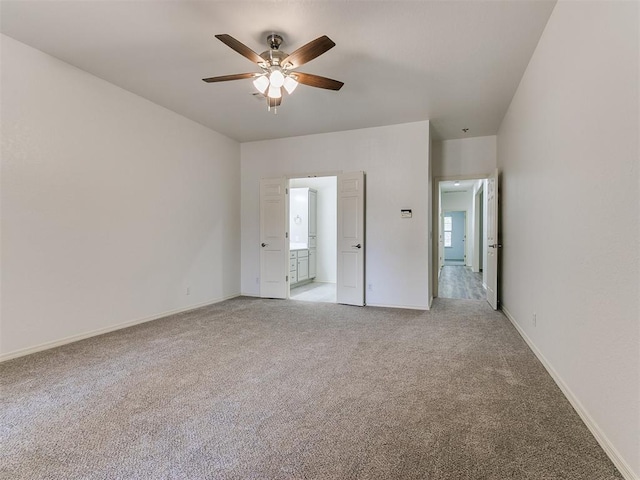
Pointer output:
x,y
622,466
74,338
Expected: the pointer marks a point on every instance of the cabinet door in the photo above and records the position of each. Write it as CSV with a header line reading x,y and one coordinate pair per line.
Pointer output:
x,y
313,206
293,267
312,263
303,268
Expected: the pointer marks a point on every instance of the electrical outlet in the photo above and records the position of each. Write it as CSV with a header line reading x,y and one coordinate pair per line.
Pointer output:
x,y
370,287
257,280
534,319
188,292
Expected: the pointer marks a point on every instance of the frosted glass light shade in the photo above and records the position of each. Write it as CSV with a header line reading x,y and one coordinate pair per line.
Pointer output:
x,y
274,92
261,83
290,85
276,78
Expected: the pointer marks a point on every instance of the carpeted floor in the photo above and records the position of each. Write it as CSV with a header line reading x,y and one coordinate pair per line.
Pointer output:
x,y
269,389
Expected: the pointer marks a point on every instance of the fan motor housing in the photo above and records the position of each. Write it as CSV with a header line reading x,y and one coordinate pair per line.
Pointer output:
x,y
274,57
274,41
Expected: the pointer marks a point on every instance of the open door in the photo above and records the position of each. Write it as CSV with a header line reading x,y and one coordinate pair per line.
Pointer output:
x,y
350,245
492,240
274,242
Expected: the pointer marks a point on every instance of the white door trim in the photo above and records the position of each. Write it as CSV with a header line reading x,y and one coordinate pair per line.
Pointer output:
x,y
478,244
493,240
313,175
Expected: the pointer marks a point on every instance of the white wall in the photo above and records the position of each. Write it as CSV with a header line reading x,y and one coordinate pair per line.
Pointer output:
x,y
464,157
326,255
396,162
111,205
568,151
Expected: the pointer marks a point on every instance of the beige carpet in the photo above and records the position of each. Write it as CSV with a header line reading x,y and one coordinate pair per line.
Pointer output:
x,y
269,389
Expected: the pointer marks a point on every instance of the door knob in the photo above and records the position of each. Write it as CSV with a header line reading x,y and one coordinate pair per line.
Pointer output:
x,y
265,244
357,246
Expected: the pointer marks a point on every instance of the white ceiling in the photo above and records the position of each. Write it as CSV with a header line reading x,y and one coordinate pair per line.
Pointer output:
x,y
457,63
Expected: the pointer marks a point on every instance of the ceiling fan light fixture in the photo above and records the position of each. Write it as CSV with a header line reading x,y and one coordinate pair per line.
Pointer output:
x,y
274,92
290,84
276,67
261,83
276,79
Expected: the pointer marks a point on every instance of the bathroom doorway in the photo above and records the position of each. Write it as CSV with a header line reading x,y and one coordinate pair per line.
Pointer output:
x,y
313,239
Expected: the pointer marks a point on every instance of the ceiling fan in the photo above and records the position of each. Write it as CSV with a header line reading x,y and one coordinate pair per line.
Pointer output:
x,y
278,68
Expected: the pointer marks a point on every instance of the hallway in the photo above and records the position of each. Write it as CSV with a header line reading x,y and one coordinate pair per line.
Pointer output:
x,y
460,282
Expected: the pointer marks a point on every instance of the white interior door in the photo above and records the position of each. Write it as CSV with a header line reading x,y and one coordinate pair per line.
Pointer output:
x,y
492,240
274,242
351,246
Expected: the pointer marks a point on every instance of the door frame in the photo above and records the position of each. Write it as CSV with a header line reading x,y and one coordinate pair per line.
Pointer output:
x,y
478,227
287,178
292,176
435,205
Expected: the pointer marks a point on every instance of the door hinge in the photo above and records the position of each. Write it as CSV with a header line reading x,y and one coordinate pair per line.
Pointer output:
x,y
286,191
286,278
286,234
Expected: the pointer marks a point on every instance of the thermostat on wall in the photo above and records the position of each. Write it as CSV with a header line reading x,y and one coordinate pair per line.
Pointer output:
x,y
405,213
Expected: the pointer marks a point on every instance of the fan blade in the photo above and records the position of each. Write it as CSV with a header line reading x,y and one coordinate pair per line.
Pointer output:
x,y
317,81
240,47
308,52
225,78
274,102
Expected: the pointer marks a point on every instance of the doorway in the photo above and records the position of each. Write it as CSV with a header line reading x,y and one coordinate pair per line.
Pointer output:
x,y
276,259
461,214
313,239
